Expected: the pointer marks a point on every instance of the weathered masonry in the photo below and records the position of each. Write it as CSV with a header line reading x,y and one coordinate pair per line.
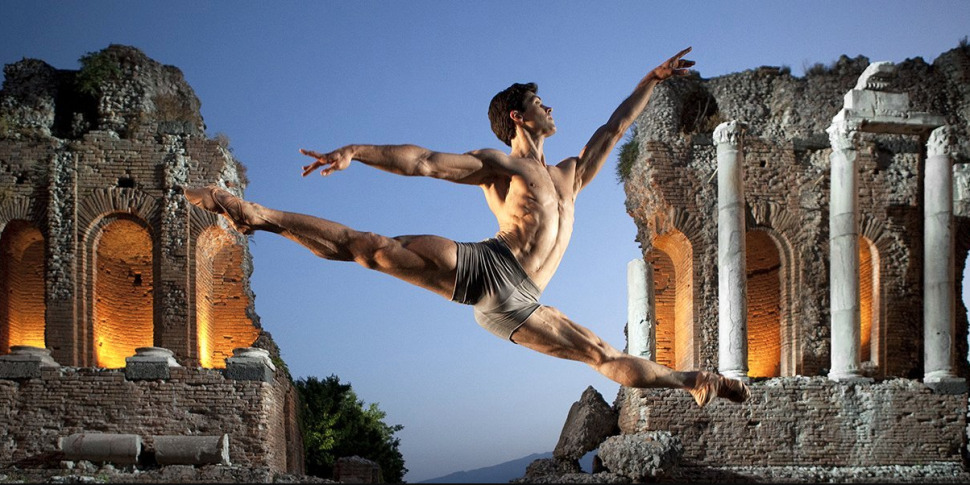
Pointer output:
x,y
807,235
123,309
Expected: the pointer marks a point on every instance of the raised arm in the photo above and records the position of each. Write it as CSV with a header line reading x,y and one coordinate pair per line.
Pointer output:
x,y
594,154
471,168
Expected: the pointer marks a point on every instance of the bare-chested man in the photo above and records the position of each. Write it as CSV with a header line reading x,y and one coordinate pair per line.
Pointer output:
x,y
501,277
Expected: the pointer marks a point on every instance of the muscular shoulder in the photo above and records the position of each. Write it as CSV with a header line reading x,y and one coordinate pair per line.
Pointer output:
x,y
566,169
490,155
563,175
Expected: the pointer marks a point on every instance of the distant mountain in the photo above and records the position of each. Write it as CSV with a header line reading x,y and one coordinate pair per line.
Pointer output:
x,y
503,472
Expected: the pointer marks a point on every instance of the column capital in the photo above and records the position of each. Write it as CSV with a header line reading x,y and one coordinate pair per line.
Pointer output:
x,y
729,132
843,134
939,143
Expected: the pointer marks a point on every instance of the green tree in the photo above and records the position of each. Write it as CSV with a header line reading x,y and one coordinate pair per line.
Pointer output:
x,y
337,424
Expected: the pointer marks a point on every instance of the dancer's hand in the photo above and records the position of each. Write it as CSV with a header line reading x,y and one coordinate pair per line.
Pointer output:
x,y
328,163
675,66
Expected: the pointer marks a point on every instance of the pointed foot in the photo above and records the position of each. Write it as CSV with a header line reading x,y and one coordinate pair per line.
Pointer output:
x,y
708,385
220,201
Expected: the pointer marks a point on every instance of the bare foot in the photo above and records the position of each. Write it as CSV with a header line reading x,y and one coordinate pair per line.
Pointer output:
x,y
707,385
219,201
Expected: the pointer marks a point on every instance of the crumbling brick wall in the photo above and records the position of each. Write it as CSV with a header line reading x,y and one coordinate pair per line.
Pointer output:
x,y
808,421
194,401
92,166
800,417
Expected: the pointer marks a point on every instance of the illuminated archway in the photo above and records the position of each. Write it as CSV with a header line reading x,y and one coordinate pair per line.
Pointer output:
x,y
22,288
763,263
869,301
123,292
673,262
220,299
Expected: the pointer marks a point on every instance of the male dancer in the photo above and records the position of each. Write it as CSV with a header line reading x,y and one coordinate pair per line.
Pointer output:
x,y
501,277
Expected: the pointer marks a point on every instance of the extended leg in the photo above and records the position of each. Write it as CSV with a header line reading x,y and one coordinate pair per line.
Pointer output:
x,y
549,331
425,261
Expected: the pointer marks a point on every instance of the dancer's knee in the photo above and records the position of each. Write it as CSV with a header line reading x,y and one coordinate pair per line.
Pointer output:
x,y
367,249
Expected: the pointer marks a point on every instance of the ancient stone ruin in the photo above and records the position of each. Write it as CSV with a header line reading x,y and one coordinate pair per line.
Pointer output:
x,y
807,235
126,317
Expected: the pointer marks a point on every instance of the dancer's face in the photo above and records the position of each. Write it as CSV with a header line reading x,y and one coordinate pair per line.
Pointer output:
x,y
537,117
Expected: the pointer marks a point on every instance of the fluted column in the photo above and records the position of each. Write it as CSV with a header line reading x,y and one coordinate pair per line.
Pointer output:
x,y
732,277
939,310
640,324
844,253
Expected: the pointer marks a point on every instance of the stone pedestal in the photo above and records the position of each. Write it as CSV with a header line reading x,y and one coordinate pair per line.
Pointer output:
x,y
25,362
150,363
731,265
250,364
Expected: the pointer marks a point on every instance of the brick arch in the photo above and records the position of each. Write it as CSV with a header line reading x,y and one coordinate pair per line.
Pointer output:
x,y
876,246
772,338
23,241
786,231
97,211
222,319
121,281
104,202
22,208
673,261
22,286
869,297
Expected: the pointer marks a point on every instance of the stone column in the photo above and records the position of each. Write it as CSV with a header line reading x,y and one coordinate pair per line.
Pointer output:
x,y
939,310
640,322
732,275
844,253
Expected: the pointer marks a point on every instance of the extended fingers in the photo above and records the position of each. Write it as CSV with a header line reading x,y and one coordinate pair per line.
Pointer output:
x,y
321,160
311,153
679,64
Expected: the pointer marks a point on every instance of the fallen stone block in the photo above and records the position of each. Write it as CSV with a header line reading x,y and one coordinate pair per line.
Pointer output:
x,y
643,455
121,449
192,450
589,422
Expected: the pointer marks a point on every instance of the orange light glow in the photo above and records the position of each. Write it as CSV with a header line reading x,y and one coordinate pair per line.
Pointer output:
x,y
123,303
673,262
764,305
221,299
868,296
22,288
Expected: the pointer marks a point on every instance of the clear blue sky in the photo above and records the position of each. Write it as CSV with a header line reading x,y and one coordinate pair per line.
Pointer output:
x,y
279,76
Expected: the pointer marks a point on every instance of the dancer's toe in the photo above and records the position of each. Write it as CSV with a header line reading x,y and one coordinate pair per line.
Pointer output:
x,y
733,390
219,201
708,385
705,388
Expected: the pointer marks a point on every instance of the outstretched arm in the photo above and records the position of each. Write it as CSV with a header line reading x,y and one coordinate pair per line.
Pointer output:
x,y
410,160
594,154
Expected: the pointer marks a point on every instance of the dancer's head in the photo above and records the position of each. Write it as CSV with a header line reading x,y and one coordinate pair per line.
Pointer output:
x,y
512,98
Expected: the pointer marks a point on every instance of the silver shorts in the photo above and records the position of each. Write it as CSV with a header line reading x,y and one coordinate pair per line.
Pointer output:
x,y
492,280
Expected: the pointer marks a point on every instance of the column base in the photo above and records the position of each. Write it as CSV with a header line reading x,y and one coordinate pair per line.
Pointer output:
x,y
735,374
946,384
849,378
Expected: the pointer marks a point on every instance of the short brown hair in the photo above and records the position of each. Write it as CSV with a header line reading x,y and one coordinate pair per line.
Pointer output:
x,y
512,98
